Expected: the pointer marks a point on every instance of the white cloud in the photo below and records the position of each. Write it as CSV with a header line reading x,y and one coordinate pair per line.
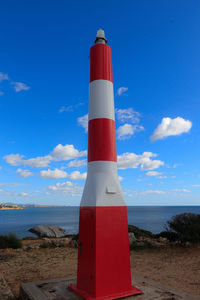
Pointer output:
x,y
61,186
196,185
76,175
24,173
128,160
66,108
132,160
181,190
176,165
59,153
148,164
8,184
171,127
69,108
14,159
66,188
3,76
127,115
83,122
52,174
122,90
127,130
20,86
149,192
153,173
24,194
77,163
38,162
66,152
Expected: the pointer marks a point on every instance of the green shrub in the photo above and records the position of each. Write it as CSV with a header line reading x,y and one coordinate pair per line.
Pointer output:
x,y
139,232
143,245
75,237
44,245
186,227
10,241
170,235
29,238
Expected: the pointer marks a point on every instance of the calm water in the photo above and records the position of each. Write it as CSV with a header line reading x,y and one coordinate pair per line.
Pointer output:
x,y
151,218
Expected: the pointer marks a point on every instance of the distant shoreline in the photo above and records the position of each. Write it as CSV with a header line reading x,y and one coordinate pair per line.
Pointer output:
x,y
34,205
10,207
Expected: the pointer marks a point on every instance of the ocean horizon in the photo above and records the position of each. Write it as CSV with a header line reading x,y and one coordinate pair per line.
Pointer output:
x,y
152,218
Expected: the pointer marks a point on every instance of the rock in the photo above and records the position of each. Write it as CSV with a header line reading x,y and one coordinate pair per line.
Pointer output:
x,y
57,244
48,241
132,239
5,292
188,244
163,240
155,244
139,244
176,243
54,243
19,250
73,243
139,232
49,231
32,247
65,242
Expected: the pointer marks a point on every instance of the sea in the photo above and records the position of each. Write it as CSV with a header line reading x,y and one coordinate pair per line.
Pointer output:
x,y
19,221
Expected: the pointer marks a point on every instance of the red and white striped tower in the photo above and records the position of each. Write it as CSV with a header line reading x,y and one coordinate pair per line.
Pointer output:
x,y
103,254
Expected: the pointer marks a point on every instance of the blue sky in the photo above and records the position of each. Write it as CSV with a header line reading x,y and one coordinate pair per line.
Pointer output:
x,y
44,83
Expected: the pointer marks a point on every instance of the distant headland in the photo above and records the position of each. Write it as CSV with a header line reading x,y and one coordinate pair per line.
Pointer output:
x,y
22,206
13,206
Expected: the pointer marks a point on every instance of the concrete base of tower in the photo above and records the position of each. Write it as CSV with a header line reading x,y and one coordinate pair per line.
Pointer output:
x,y
57,289
132,292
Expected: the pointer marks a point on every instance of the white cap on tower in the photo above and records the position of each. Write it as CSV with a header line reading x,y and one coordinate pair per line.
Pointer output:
x,y
100,38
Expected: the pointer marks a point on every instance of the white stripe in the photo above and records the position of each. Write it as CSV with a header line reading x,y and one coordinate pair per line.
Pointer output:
x,y
101,100
102,187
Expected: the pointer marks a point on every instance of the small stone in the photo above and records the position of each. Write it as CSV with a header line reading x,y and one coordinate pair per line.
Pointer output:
x,y
5,292
188,244
163,240
73,244
132,240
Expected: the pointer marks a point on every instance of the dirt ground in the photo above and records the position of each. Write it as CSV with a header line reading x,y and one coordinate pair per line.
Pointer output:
x,y
175,267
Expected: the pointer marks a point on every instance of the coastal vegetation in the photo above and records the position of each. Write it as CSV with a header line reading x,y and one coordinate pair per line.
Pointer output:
x,y
184,228
180,229
10,241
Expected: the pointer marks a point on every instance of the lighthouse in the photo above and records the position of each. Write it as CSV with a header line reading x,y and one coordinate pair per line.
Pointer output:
x,y
103,254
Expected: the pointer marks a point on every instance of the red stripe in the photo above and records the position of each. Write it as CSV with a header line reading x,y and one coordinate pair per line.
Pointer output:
x,y
101,140
101,62
103,257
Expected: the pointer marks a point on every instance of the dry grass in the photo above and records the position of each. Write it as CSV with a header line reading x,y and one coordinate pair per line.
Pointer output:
x,y
178,268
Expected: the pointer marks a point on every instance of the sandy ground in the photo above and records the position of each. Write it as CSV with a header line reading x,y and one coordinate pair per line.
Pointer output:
x,y
178,268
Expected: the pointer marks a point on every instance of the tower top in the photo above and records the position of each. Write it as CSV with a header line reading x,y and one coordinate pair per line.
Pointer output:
x,y
100,37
